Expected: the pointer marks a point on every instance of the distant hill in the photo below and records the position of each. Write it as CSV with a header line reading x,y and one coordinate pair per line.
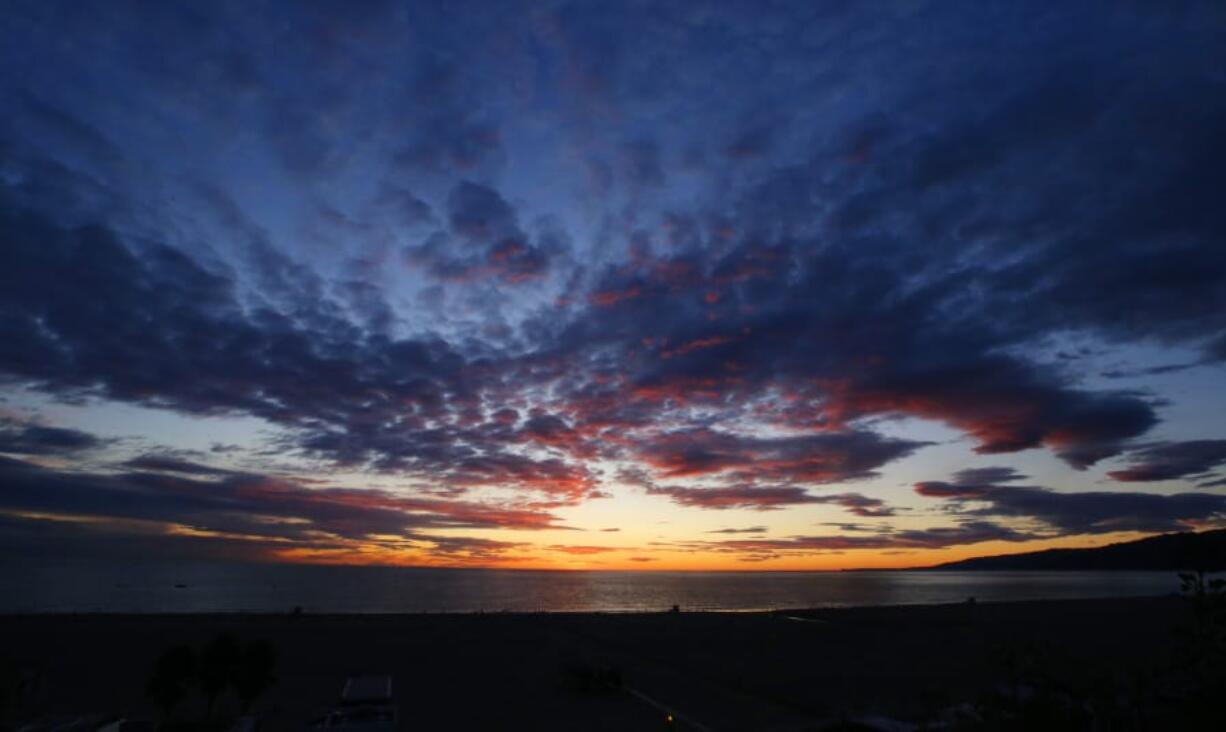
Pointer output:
x,y
1205,550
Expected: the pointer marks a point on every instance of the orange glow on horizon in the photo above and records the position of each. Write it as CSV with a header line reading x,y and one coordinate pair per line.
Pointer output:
x,y
584,558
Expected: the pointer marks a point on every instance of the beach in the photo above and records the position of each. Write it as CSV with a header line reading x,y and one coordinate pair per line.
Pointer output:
x,y
720,671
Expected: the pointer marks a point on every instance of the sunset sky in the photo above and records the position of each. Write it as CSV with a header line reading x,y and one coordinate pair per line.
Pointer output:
x,y
655,285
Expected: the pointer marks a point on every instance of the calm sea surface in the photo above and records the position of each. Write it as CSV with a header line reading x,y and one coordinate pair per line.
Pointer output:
x,y
205,587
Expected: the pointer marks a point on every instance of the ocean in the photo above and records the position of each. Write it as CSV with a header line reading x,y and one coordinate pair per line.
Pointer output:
x,y
204,587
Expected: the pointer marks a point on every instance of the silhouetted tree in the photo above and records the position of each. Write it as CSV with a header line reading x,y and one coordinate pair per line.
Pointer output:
x,y
1204,638
218,664
172,676
254,673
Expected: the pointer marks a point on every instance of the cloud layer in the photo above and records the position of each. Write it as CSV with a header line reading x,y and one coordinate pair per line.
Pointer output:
x,y
508,262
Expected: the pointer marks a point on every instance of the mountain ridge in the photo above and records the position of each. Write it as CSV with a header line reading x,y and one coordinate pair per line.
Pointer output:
x,y
1204,550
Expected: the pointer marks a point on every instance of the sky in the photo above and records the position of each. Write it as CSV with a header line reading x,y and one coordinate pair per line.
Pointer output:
x,y
609,285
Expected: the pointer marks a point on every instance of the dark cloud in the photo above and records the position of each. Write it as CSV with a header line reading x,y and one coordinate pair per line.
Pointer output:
x,y
967,532
409,209
819,458
1170,368
766,498
924,355
78,135
470,548
451,131
39,440
453,143
740,304
979,476
162,331
928,351
252,507
582,549
850,526
479,213
751,141
1215,349
860,505
1006,405
484,240
756,472
172,464
968,483
642,163
1172,460
1094,512
759,498
941,489
37,537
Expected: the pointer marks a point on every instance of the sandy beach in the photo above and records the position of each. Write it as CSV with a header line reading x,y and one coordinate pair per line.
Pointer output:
x,y
719,671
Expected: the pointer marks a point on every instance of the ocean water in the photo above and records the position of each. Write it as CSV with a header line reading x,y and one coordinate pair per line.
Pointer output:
x,y
189,587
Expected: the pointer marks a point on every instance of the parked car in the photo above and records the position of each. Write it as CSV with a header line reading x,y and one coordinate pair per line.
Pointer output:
x,y
365,706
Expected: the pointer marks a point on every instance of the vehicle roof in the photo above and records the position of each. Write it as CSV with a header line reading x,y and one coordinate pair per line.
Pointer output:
x,y
365,689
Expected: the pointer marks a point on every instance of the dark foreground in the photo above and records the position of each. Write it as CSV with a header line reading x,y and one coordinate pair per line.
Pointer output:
x,y
1009,665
